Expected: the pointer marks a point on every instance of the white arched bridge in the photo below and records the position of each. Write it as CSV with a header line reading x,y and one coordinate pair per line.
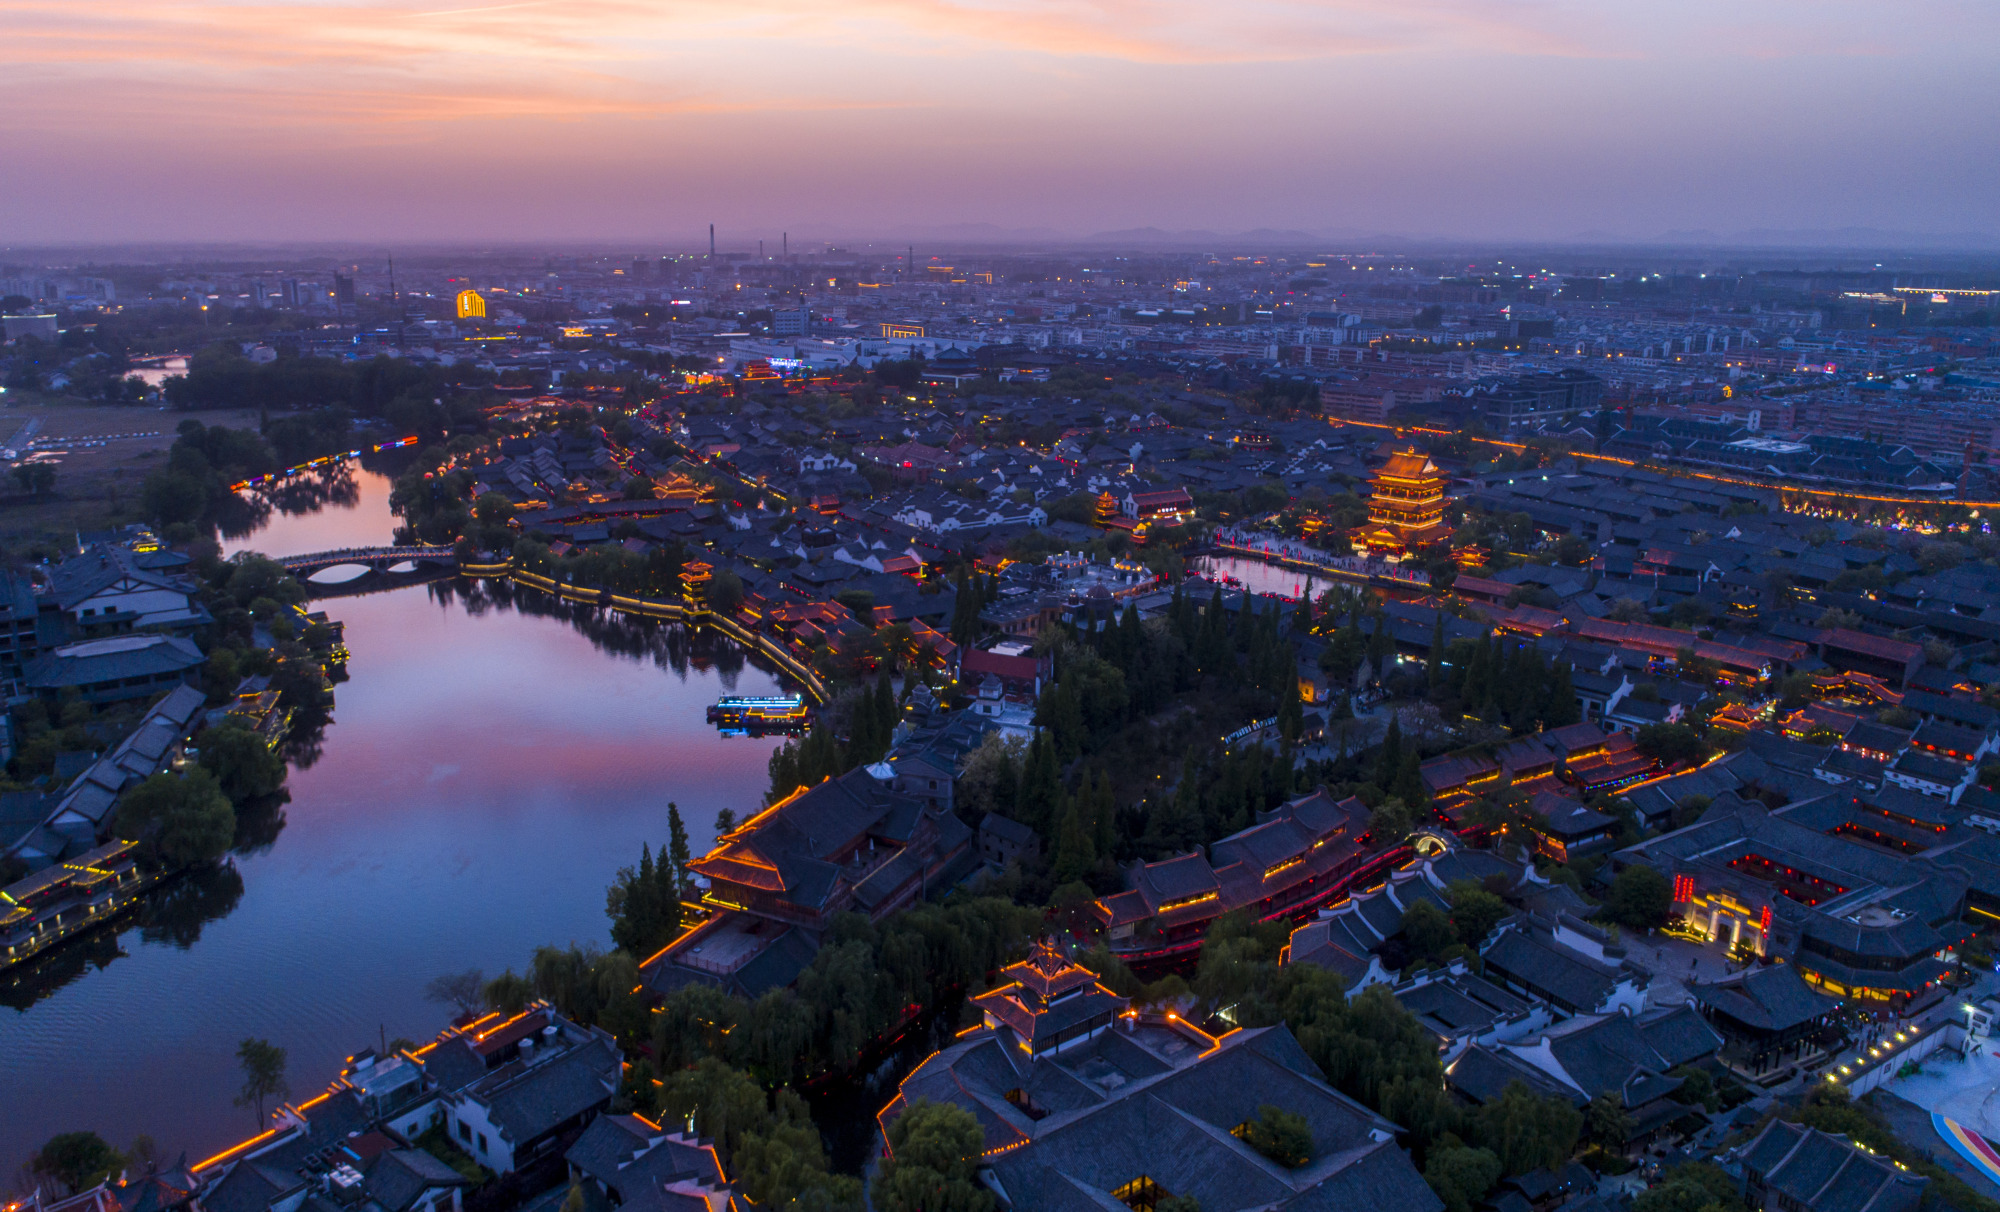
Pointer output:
x,y
375,559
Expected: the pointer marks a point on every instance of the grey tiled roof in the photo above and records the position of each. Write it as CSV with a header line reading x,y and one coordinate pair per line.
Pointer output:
x,y
1827,1173
637,1162
1530,960
1765,999
1148,1102
397,1178
528,1102
112,659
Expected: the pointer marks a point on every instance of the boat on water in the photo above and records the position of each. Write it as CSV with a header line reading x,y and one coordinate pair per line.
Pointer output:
x,y
748,713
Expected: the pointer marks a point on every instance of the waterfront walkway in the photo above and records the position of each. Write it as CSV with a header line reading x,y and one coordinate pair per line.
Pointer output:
x,y
1290,553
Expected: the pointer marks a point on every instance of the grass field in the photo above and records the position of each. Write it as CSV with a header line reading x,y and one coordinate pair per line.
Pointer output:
x,y
102,453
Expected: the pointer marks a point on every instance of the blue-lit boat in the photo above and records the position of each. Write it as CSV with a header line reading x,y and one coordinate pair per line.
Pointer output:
x,y
748,713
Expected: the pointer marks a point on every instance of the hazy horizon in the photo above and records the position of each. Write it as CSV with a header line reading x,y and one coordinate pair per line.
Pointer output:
x,y
1551,121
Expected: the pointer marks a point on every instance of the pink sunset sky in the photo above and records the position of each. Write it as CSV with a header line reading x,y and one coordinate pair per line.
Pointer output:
x,y
648,119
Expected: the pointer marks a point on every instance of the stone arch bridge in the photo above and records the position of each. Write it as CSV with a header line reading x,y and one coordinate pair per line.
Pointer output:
x,y
375,559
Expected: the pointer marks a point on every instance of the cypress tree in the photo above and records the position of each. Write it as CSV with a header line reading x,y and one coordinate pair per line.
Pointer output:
x,y
884,706
1410,784
679,855
642,917
1435,664
1381,646
1041,786
1472,679
1104,809
1291,716
1391,760
667,893
1559,707
861,728
1075,851
966,605
1007,786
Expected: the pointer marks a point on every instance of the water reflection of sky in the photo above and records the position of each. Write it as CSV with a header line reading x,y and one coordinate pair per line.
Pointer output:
x,y
484,776
361,522
1259,577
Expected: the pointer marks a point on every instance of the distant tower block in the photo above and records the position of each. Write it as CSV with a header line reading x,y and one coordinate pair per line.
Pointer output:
x,y
471,305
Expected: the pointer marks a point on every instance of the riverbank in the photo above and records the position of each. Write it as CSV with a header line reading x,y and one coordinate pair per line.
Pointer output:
x,y
656,609
488,741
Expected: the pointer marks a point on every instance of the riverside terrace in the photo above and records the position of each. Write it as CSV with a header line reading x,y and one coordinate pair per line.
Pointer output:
x,y
850,844
1295,858
1864,892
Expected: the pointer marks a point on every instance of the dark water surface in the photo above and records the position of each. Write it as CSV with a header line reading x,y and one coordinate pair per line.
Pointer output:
x,y
492,760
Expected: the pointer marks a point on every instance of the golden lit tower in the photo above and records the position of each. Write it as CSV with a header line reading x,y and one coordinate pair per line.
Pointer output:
x,y
1407,509
471,305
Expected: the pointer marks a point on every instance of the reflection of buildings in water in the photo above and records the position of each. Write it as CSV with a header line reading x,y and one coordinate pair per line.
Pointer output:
x,y
174,913
674,647
238,515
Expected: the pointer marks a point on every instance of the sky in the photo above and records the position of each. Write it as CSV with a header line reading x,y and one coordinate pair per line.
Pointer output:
x,y
646,120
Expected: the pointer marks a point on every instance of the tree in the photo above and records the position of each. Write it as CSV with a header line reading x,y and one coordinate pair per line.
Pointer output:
x,y
36,478
1390,763
1691,1187
1671,743
1281,1135
77,1160
679,855
169,496
725,821
934,1152
493,508
263,1064
1528,1132
508,993
1640,898
1697,1087
1461,1175
461,989
726,1104
1426,930
1474,911
243,765
182,819
725,592
784,1166
1610,1124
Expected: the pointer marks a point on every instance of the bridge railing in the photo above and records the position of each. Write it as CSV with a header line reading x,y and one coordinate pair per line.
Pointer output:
x,y
365,554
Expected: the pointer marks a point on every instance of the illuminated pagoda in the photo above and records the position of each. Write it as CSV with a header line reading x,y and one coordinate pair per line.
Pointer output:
x,y
1049,1002
1407,509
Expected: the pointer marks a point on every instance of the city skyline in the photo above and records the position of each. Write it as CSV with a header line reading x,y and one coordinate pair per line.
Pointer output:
x,y
557,120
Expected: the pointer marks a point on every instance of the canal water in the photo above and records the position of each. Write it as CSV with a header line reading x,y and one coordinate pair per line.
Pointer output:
x,y
493,758
1259,577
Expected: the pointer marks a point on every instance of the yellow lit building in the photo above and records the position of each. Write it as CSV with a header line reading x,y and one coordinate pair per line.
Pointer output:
x,y
1407,509
471,305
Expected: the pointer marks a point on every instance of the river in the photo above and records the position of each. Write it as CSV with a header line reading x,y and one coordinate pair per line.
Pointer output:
x,y
493,758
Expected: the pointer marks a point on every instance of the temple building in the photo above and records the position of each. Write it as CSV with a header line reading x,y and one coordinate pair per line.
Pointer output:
x,y
849,844
1084,1104
1298,856
1049,1003
1865,898
1406,511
